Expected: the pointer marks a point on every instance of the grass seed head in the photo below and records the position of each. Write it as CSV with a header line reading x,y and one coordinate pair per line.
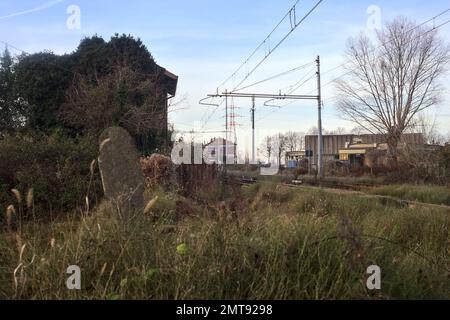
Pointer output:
x,y
92,167
17,195
10,211
150,205
30,196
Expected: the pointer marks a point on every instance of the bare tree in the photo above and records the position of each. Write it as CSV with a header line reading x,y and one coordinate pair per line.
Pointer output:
x,y
338,131
124,97
314,131
295,141
389,82
426,124
279,146
268,148
358,131
188,136
180,104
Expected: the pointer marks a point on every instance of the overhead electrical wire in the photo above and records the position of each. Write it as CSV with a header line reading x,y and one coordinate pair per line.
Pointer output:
x,y
384,43
275,76
259,46
412,29
345,63
288,88
291,14
202,102
212,114
294,87
348,72
285,105
293,28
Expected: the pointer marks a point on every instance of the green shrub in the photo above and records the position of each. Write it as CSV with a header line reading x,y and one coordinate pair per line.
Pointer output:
x,y
56,166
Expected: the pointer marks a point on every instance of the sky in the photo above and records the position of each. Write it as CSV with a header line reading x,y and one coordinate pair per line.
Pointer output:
x,y
205,41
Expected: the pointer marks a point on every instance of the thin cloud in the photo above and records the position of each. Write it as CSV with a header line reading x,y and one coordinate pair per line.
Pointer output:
x,y
40,8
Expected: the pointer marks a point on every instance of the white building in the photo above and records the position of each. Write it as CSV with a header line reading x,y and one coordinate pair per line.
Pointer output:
x,y
213,151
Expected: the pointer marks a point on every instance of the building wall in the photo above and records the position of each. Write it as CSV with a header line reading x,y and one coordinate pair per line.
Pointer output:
x,y
331,146
333,143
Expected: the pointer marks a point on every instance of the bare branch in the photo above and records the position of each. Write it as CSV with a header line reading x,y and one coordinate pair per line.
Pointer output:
x,y
389,83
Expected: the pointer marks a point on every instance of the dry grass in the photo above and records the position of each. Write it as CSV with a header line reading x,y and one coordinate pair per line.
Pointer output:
x,y
419,193
268,243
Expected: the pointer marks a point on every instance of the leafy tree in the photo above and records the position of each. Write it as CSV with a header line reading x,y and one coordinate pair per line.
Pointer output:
x,y
96,58
100,84
90,58
42,80
12,108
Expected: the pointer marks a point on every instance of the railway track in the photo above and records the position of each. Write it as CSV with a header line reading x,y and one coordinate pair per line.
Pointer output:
x,y
321,184
334,185
358,189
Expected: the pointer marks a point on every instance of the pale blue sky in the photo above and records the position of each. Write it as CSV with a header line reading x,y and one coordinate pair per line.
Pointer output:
x,y
203,41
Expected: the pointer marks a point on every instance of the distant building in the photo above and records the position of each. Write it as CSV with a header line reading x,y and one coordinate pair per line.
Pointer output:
x,y
213,151
360,154
353,147
331,146
293,158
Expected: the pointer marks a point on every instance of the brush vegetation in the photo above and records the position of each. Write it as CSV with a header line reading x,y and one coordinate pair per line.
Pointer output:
x,y
260,242
420,193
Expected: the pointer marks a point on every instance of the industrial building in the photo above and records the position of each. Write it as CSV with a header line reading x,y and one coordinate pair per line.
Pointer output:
x,y
363,154
353,148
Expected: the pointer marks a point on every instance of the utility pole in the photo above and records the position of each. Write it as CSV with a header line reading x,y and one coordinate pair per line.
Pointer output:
x,y
226,118
226,135
253,132
232,125
278,96
320,136
255,96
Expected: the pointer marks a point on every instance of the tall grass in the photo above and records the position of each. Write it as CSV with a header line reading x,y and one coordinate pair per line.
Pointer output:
x,y
420,193
266,242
